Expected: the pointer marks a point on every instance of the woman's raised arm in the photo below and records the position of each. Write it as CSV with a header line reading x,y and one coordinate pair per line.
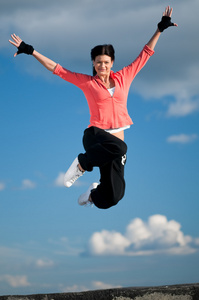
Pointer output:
x,y
162,25
45,61
28,49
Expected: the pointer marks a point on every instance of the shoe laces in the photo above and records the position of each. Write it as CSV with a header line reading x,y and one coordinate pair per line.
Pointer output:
x,y
79,173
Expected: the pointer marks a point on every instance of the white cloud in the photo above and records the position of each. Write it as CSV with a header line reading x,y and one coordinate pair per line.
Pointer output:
x,y
59,181
182,107
94,285
157,236
2,186
74,288
182,138
15,281
102,286
44,263
27,184
197,241
108,242
183,90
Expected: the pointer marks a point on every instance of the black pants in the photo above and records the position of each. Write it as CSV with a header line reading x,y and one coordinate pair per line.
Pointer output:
x,y
107,152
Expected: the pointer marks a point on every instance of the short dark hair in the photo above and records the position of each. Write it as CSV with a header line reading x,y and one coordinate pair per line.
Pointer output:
x,y
106,49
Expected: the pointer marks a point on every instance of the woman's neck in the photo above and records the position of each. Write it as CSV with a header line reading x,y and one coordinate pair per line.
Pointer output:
x,y
107,81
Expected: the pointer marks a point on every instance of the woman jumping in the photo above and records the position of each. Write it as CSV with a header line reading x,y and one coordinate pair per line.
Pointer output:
x,y
106,93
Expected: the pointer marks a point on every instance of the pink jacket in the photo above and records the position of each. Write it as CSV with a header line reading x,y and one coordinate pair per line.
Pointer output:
x,y
107,111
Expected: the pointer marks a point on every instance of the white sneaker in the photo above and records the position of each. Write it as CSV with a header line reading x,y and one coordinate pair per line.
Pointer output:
x,y
72,174
84,198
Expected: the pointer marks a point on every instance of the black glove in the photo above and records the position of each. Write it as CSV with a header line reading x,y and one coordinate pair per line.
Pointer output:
x,y
25,48
165,23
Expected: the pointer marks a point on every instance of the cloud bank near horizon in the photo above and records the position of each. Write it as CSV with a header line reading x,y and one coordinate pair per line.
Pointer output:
x,y
156,236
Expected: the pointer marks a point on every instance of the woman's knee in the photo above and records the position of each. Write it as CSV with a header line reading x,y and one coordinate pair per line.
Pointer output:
x,y
107,200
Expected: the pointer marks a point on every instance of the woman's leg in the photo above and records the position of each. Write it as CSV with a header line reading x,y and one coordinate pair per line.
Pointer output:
x,y
112,184
101,147
109,154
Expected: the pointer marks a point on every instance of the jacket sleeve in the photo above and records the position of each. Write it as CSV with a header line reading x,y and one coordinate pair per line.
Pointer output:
x,y
77,79
130,71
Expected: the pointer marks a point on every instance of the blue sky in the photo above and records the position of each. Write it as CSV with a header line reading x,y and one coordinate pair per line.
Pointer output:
x,y
50,244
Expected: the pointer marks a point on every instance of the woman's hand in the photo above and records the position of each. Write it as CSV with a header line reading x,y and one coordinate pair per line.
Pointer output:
x,y
166,19
28,49
165,23
16,41
22,47
168,12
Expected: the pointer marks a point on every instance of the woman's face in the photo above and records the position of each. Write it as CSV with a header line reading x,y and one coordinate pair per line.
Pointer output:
x,y
103,65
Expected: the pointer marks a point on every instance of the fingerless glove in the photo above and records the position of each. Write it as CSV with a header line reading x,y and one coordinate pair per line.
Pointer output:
x,y
165,23
25,48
